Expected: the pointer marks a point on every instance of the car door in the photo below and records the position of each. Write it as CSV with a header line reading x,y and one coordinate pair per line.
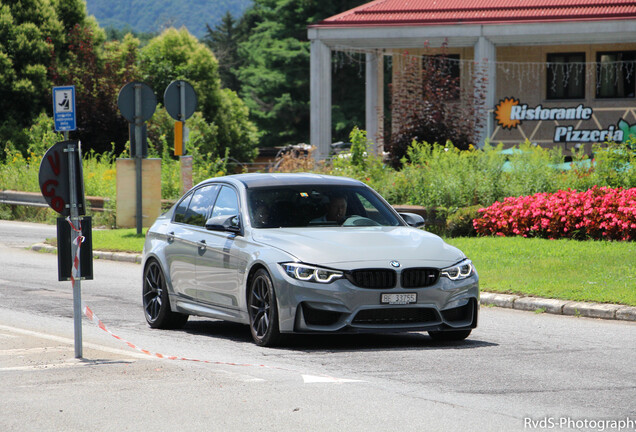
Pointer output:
x,y
217,268
187,228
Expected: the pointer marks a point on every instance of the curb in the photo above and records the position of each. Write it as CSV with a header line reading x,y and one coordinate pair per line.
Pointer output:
x,y
113,256
560,307
532,304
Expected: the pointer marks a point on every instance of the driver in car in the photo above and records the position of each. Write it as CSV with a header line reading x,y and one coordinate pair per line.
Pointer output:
x,y
336,212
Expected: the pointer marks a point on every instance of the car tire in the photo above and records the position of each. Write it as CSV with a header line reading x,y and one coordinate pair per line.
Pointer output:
x,y
450,335
156,302
263,310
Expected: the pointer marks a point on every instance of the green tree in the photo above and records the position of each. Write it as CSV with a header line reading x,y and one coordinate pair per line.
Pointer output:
x,y
29,31
98,70
25,27
176,54
70,12
274,74
223,41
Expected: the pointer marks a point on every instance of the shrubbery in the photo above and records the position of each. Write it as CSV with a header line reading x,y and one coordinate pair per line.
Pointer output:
x,y
444,176
598,213
452,184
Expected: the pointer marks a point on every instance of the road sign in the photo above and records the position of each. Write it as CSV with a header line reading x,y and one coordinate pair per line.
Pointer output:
x,y
178,138
64,108
180,100
65,256
126,101
137,103
54,177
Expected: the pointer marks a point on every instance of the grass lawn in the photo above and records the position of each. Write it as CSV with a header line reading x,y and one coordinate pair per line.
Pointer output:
x,y
125,240
595,271
116,240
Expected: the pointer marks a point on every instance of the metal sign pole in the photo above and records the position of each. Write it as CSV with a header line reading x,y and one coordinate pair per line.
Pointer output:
x,y
182,111
77,285
138,154
185,162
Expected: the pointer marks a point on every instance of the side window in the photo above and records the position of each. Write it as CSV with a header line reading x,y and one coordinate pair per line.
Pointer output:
x,y
227,203
180,211
200,204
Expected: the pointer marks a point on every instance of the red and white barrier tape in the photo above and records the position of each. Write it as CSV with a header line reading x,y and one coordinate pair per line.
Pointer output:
x,y
95,320
76,260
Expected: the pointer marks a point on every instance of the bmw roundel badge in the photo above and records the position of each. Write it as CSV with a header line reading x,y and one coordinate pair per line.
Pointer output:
x,y
395,264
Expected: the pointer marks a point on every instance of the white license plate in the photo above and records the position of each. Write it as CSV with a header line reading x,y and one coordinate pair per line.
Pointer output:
x,y
399,299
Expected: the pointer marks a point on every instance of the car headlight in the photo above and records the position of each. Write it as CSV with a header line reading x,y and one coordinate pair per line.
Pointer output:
x,y
459,271
309,273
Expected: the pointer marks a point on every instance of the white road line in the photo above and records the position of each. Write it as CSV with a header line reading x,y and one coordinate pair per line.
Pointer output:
x,y
45,366
312,379
7,336
241,377
38,350
72,342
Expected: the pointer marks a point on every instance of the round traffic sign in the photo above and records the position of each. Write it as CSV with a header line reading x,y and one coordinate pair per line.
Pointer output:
x,y
126,101
54,177
172,100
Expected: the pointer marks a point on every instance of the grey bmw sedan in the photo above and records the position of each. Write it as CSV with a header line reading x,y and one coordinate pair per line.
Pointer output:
x,y
303,253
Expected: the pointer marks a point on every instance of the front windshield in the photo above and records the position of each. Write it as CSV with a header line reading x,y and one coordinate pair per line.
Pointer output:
x,y
317,206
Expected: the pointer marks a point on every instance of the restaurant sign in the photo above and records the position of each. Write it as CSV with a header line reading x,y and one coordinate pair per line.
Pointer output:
x,y
510,113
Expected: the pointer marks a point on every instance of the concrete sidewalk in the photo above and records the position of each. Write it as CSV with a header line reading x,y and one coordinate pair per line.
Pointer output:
x,y
553,306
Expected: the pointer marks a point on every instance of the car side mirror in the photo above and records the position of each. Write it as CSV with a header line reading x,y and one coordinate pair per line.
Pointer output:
x,y
224,223
413,219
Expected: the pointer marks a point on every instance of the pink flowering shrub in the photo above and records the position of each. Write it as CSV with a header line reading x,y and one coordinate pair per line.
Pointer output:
x,y
598,213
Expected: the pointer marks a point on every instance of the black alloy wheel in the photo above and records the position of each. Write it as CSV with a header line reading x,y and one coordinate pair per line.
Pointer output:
x,y
156,302
261,304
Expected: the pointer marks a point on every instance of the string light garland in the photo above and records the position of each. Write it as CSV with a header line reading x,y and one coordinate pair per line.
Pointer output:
x,y
608,72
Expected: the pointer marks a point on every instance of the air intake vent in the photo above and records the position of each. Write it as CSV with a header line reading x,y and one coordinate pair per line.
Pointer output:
x,y
419,277
387,316
372,278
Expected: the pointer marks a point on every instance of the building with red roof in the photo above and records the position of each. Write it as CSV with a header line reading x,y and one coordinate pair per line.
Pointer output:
x,y
557,72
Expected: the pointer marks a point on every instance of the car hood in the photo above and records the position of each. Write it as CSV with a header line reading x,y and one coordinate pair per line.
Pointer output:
x,y
347,247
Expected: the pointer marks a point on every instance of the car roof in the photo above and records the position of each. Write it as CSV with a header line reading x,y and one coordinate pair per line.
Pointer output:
x,y
256,180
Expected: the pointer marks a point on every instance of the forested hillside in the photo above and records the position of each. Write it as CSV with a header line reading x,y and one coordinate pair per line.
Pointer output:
x,y
152,16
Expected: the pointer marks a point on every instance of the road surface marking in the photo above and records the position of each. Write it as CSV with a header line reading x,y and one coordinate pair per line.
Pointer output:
x,y
312,379
7,336
72,342
38,350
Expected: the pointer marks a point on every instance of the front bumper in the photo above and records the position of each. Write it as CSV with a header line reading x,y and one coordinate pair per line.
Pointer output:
x,y
309,307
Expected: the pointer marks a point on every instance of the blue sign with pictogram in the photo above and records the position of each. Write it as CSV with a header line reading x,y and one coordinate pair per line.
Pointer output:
x,y
64,108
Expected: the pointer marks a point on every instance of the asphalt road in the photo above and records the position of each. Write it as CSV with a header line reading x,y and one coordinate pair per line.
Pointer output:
x,y
516,371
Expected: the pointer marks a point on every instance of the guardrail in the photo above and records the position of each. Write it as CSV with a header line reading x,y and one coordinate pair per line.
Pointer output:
x,y
35,199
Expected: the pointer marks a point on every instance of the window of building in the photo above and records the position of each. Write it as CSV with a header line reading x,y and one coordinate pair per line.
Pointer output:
x,y
566,76
615,74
